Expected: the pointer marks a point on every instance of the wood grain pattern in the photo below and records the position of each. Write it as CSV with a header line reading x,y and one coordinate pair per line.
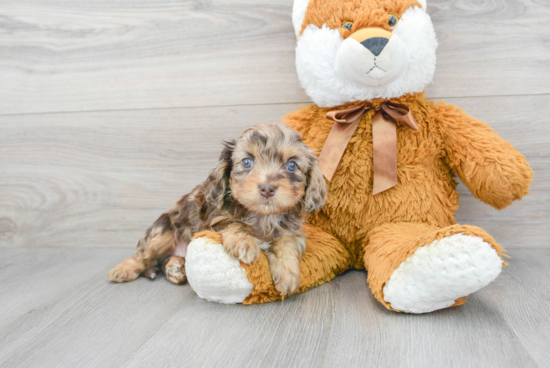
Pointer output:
x,y
54,317
111,55
522,296
111,110
100,179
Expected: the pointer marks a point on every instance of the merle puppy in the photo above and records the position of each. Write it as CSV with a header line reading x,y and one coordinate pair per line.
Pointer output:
x,y
264,183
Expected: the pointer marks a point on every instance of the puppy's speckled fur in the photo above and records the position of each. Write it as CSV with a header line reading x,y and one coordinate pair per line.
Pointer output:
x,y
230,202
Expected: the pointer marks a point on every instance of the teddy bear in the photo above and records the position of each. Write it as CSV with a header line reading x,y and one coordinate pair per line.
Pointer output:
x,y
390,156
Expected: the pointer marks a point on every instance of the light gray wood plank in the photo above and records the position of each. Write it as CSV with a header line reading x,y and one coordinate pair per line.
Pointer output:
x,y
39,285
66,313
110,55
337,324
366,334
490,47
522,294
100,179
89,322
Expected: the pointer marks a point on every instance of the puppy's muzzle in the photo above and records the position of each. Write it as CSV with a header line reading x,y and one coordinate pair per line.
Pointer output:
x,y
373,39
267,191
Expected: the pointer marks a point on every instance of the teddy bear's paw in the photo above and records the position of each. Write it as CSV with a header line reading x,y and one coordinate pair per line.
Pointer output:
x,y
436,275
214,275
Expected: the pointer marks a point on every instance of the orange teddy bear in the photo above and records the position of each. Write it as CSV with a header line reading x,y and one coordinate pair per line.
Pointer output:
x,y
390,155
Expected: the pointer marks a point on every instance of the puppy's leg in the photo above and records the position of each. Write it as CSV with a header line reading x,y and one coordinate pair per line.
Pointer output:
x,y
240,244
151,272
174,269
284,263
127,270
158,242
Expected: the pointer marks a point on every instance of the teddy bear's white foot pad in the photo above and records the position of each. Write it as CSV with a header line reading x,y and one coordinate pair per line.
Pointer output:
x,y
214,275
436,275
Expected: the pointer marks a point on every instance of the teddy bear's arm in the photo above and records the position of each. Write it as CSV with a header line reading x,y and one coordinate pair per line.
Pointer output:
x,y
493,170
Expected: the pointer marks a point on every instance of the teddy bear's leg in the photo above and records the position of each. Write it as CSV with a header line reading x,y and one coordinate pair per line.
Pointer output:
x,y
420,268
216,276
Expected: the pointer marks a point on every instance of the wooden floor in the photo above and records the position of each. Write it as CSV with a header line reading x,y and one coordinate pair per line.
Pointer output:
x,y
59,311
111,110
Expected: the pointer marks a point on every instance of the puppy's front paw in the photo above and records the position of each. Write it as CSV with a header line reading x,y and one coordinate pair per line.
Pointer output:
x,y
286,281
242,246
129,270
174,269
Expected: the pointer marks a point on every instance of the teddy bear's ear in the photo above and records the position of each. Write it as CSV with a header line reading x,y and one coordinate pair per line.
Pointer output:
x,y
298,14
424,4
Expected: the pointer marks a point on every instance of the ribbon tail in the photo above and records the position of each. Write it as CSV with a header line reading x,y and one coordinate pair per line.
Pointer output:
x,y
335,146
384,137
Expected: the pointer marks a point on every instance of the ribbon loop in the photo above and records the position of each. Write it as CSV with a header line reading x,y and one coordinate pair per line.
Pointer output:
x,y
384,140
400,113
349,115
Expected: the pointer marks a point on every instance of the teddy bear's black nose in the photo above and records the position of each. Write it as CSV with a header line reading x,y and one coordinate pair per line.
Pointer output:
x,y
375,44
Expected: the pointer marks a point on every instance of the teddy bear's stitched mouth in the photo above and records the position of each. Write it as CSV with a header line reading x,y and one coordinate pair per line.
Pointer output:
x,y
376,66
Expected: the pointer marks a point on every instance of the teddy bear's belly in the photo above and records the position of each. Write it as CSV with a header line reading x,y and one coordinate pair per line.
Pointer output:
x,y
424,193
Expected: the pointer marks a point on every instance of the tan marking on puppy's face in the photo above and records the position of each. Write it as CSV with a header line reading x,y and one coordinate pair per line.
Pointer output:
x,y
270,169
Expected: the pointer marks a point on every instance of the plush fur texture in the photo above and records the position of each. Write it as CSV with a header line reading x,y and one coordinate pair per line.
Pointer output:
x,y
436,275
323,259
406,237
381,232
214,274
332,66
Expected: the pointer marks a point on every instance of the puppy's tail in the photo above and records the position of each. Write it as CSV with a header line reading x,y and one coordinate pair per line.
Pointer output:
x,y
159,240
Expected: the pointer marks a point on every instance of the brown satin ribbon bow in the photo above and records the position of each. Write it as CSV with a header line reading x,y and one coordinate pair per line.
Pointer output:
x,y
384,140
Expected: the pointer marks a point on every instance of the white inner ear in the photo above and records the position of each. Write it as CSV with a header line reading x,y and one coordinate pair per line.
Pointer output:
x,y
424,4
298,14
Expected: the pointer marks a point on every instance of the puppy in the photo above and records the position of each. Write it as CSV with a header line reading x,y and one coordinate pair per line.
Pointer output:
x,y
264,183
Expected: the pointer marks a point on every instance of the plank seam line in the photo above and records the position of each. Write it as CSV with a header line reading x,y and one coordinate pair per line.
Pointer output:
x,y
241,105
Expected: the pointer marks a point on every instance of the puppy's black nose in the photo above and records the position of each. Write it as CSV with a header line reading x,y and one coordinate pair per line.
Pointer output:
x,y
267,190
375,44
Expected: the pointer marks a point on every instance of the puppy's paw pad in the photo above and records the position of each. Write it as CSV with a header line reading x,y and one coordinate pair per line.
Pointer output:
x,y
249,254
175,273
122,274
246,250
287,283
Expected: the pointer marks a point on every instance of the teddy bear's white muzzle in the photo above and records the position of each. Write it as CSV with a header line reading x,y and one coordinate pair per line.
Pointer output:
x,y
374,62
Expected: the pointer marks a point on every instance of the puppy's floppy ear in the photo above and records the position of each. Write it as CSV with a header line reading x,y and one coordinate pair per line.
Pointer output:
x,y
316,189
217,183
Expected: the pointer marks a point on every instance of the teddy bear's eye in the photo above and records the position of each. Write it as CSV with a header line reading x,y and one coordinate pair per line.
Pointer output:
x,y
347,25
392,20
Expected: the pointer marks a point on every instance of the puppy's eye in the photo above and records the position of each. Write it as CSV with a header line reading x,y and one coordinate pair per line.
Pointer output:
x,y
392,20
347,25
291,166
247,163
